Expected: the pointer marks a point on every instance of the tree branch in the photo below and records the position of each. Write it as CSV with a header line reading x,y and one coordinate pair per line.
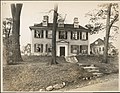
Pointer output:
x,y
114,20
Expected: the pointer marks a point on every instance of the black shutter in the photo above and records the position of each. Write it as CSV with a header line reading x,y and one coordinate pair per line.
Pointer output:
x,y
41,48
71,48
80,35
86,35
66,35
34,47
34,33
59,35
80,48
46,48
46,33
77,35
71,34
42,34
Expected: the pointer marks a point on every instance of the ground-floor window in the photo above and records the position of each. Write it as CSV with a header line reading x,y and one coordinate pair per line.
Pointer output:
x,y
84,49
48,48
75,49
38,48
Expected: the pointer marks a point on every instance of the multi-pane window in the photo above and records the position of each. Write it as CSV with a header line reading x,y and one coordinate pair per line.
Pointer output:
x,y
48,48
38,33
75,35
83,49
62,34
84,35
75,49
38,48
49,34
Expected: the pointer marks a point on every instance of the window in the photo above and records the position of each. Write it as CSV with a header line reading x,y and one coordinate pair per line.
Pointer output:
x,y
75,49
49,34
48,48
83,49
84,35
38,48
62,35
75,35
103,48
99,48
38,33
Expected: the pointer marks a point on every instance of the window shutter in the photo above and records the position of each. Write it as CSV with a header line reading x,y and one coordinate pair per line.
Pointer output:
x,y
77,35
80,48
42,34
59,34
86,35
80,35
34,47
34,33
41,48
46,48
46,33
66,34
71,34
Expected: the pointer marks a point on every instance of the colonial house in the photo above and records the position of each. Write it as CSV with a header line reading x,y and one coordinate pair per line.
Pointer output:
x,y
97,47
71,39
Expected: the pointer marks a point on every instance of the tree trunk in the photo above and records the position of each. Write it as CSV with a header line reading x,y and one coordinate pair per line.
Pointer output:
x,y
16,11
54,36
107,35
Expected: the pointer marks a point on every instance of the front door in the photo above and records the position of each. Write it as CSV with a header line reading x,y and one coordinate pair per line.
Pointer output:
x,y
62,51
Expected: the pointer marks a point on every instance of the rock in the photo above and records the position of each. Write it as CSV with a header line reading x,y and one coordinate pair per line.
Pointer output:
x,y
41,89
59,86
49,88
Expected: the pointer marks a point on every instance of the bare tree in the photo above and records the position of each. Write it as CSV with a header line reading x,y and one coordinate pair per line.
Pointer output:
x,y
16,11
109,12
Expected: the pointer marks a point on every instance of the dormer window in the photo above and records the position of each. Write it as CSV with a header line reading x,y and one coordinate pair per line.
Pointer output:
x,y
60,23
45,21
76,23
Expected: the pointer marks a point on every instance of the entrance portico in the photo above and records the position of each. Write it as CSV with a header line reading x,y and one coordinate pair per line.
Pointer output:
x,y
62,48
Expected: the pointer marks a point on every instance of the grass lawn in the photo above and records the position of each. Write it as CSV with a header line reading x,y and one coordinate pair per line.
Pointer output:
x,y
34,73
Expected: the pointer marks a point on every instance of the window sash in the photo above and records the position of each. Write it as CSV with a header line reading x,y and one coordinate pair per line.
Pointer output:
x,y
38,48
84,49
75,35
75,49
62,35
38,33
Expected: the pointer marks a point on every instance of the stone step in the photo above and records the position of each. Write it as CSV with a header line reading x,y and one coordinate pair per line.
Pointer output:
x,y
71,59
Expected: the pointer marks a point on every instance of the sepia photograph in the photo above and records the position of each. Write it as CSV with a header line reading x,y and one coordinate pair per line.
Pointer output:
x,y
60,46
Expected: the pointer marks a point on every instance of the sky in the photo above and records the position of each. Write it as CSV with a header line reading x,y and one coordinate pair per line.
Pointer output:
x,y
33,12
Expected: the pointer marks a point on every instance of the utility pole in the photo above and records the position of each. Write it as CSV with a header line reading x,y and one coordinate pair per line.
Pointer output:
x,y
54,35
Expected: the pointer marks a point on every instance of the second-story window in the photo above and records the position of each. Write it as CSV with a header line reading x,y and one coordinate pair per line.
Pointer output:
x,y
62,35
75,35
38,33
49,34
84,35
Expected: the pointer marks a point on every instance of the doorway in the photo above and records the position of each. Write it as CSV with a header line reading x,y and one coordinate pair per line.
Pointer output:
x,y
62,51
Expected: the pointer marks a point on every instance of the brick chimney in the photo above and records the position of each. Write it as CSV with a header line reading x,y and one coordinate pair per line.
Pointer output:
x,y
45,20
76,23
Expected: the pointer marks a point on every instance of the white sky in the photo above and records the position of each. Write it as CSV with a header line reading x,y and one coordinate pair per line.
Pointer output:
x,y
33,12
